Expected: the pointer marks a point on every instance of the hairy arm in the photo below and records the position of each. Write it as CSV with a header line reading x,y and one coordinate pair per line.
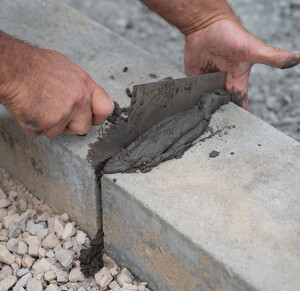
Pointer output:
x,y
191,15
46,92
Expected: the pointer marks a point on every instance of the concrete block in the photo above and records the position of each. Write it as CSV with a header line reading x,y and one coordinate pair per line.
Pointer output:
x,y
224,223
61,172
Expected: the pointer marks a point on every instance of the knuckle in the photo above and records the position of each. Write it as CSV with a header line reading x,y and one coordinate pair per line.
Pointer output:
x,y
83,129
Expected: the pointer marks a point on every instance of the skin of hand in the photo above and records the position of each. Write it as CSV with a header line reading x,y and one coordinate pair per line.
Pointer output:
x,y
216,41
47,93
227,46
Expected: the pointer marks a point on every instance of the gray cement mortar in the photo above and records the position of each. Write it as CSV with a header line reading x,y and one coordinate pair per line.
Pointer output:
x,y
273,93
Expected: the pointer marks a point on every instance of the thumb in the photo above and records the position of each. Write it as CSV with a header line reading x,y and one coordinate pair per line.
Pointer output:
x,y
276,57
102,105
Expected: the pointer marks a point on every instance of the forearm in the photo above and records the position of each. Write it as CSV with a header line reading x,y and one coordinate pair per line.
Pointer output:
x,y
191,15
14,63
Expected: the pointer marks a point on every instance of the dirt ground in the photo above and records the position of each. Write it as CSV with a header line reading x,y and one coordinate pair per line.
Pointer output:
x,y
274,94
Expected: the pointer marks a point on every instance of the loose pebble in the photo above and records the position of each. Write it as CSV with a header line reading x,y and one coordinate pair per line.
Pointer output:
x,y
8,282
5,255
103,277
34,285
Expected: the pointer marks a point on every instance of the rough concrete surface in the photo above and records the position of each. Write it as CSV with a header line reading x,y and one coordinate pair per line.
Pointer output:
x,y
235,215
273,93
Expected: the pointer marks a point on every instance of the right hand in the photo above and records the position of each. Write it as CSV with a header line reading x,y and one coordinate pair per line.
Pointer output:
x,y
48,94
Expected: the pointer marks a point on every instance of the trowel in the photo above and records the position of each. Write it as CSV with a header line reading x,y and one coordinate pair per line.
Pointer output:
x,y
152,102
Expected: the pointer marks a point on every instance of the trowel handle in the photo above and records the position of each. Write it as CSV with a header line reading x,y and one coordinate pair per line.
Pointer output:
x,y
4,113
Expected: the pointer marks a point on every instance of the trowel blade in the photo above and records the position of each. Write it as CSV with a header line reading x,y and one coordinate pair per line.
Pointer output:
x,y
152,102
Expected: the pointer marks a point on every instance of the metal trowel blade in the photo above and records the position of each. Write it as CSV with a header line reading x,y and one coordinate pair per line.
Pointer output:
x,y
152,102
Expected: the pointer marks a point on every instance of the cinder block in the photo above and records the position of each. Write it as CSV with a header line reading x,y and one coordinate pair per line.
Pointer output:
x,y
224,223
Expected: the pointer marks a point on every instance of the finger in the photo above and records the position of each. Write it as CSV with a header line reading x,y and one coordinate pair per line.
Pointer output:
x,y
58,129
80,121
102,105
237,86
276,57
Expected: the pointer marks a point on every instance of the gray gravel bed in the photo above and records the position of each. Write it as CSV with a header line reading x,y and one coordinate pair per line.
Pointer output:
x,y
39,249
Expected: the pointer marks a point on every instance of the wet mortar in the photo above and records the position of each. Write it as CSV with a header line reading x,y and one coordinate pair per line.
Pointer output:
x,y
115,152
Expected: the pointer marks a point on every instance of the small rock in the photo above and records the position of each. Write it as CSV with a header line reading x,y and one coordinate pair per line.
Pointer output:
x,y
3,213
5,255
58,227
65,257
52,287
41,266
103,277
67,244
124,277
38,276
7,220
64,217
18,261
142,287
7,271
22,248
15,268
58,247
50,241
22,272
49,254
43,217
2,194
34,285
34,245
7,283
81,289
4,203
4,232
114,271
130,286
42,233
22,205
12,244
42,253
1,277
27,261
76,275
3,238
61,275
13,194
114,286
49,276
33,228
77,248
80,237
52,261
18,224
22,281
69,231
11,210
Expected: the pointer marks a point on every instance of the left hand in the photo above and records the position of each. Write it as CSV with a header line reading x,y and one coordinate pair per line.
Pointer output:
x,y
227,46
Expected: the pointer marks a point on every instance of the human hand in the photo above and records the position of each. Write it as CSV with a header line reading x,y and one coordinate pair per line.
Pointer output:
x,y
48,94
227,46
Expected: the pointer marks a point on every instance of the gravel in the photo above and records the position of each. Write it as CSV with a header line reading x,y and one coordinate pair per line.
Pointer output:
x,y
274,95
43,252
